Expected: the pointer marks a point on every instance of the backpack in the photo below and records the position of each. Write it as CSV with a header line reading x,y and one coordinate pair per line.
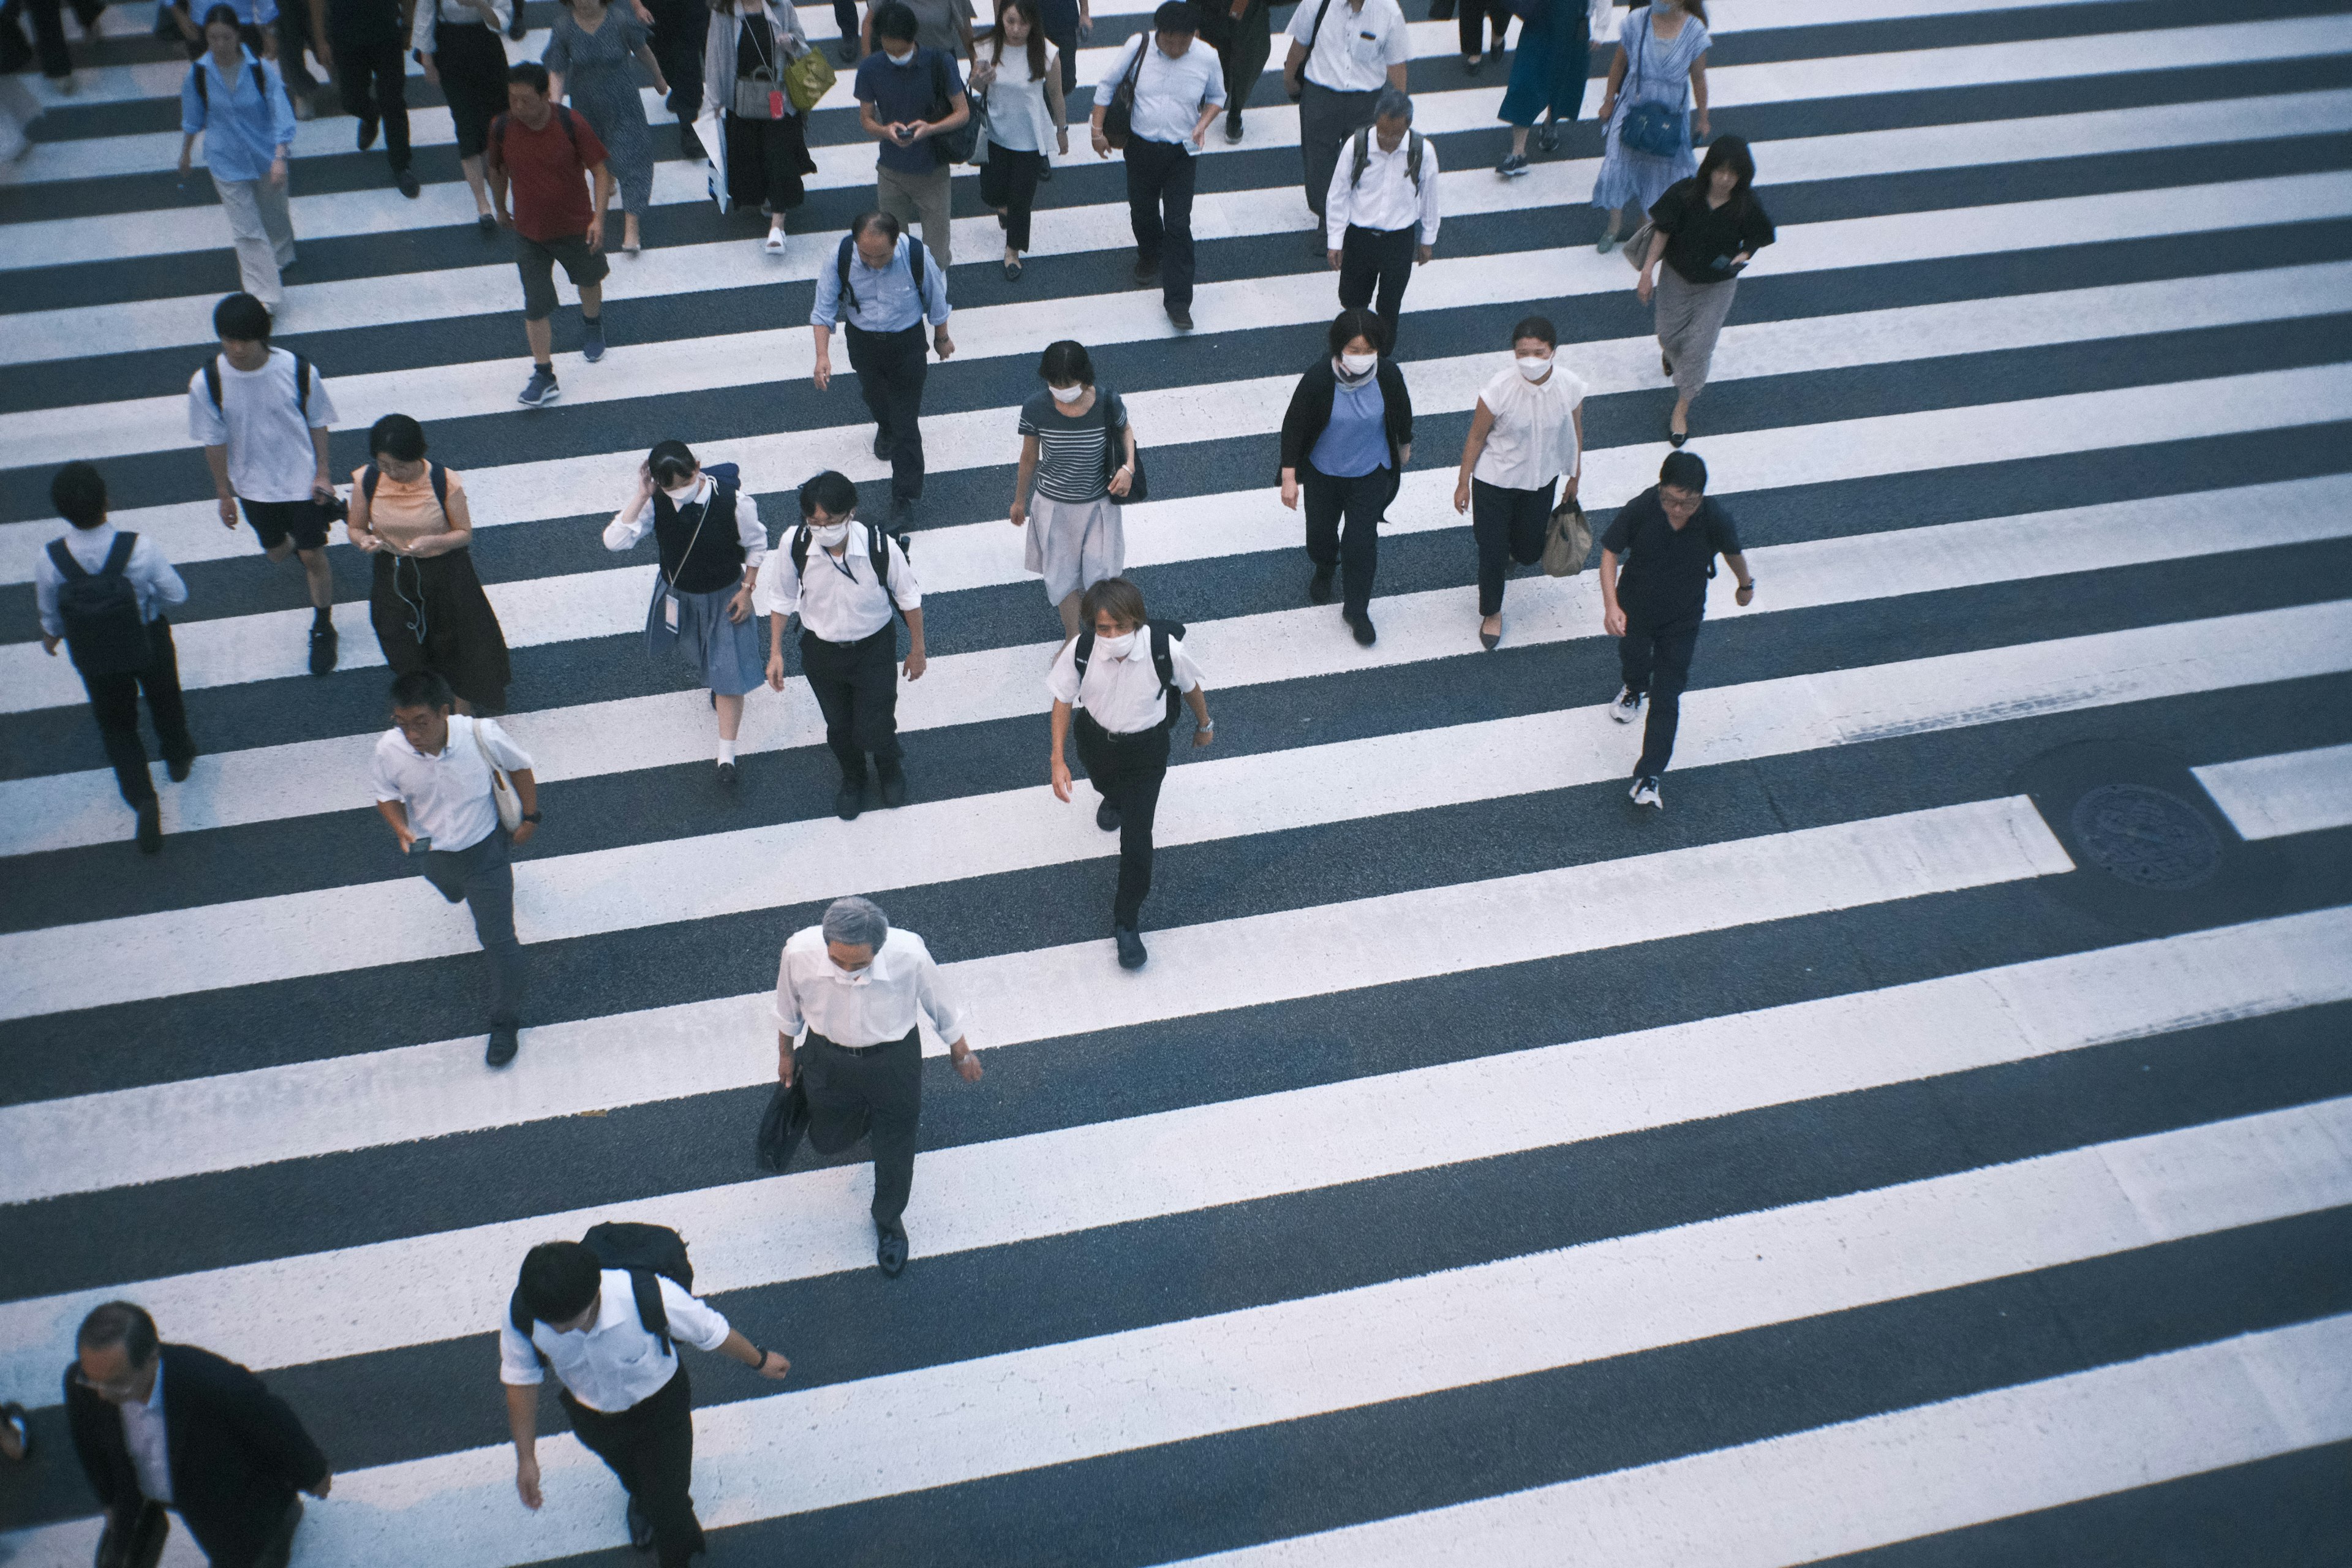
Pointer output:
x,y
439,476
205,94
650,1253
877,551
1364,157
498,134
104,631
916,267
1163,663
303,376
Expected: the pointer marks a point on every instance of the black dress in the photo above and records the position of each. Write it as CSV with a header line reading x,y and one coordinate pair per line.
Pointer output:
x,y
765,158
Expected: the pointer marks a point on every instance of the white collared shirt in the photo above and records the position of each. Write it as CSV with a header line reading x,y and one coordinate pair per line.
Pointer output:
x,y
876,1004
1356,47
1123,694
456,13
633,521
448,794
615,1363
839,600
1385,198
144,1435
1169,95
1533,439
150,576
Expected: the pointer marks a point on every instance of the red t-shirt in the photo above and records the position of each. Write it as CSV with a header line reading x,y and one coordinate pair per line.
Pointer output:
x,y
547,174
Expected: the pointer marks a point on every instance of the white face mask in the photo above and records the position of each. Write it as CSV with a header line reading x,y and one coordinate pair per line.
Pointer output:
x,y
1067,394
1357,364
1113,647
832,536
897,59
684,492
1534,369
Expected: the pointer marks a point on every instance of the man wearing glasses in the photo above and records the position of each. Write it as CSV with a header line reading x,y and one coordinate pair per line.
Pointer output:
x,y
163,1426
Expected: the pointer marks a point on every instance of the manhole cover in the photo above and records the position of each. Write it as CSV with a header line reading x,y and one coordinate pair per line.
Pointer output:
x,y
2146,837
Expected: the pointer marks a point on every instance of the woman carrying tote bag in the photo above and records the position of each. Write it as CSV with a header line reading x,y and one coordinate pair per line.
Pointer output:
x,y
761,145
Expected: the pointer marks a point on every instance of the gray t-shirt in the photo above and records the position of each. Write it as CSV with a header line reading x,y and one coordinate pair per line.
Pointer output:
x,y
1071,465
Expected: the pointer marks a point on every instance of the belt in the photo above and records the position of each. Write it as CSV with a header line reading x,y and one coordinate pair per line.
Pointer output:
x,y
854,642
815,1039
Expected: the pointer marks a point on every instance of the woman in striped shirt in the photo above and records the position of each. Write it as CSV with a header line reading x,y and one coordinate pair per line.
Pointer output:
x,y
1072,512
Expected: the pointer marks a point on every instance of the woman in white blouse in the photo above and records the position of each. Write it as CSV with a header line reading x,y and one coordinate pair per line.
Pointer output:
x,y
1024,108
1527,440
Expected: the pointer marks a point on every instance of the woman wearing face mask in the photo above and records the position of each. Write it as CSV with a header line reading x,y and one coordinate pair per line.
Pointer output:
x,y
429,607
1661,58
1072,514
1705,228
1526,440
761,143
1024,108
711,542
1345,442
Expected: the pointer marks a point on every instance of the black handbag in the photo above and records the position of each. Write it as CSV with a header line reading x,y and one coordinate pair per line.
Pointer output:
x,y
1114,450
957,145
1118,115
135,1543
783,1124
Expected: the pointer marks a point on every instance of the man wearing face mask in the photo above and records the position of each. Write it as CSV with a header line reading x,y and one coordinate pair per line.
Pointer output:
x,y
859,989
882,286
907,95
1380,216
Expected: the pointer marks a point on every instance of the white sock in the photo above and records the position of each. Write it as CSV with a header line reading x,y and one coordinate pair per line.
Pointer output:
x,y
726,751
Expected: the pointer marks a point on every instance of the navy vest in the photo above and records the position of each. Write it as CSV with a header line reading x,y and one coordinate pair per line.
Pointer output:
x,y
715,561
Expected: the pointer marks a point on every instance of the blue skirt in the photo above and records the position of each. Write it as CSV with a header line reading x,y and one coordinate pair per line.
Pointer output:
x,y
1548,71
724,656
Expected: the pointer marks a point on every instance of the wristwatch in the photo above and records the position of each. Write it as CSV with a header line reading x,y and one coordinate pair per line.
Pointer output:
x,y
530,816
1206,726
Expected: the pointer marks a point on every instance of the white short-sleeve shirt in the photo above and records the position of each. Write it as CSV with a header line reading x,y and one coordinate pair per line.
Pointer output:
x,y
266,428
448,794
1123,694
1534,438
1354,48
615,1363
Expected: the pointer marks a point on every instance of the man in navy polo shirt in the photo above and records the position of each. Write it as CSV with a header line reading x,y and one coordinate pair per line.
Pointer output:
x,y
906,96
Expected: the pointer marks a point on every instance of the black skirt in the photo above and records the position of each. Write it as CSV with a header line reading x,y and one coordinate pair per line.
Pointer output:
x,y
472,62
430,613
765,160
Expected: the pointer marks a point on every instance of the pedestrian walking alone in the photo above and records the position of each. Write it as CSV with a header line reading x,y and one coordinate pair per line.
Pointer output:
x,y
1242,32
458,42
1346,440
1077,464
238,105
446,784
1547,77
1342,52
1116,684
882,286
425,602
712,542
1380,218
102,593
1176,91
548,157
590,56
1659,72
1526,442
907,97
762,139
859,989
1705,229
365,43
1655,563
1025,113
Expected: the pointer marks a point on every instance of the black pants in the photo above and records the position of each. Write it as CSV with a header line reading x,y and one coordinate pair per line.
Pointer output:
x,y
1509,526
293,30
875,1094
650,1445
1656,662
681,28
1160,208
1243,44
1066,42
1126,770
1009,180
767,162
1381,259
890,368
481,875
856,688
1471,25
374,80
1356,551
114,703
1326,120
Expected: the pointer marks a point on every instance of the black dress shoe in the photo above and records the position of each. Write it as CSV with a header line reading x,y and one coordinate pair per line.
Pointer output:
x,y
1131,947
727,774
1146,272
641,1528
890,1252
366,138
1318,587
505,1040
1363,625
1107,817
1183,316
406,180
893,786
881,444
178,766
1045,173
849,799
151,828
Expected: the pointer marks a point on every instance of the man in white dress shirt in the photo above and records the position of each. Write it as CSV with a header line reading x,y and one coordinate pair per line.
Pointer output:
x,y
433,786
1179,92
1342,52
857,989
1379,216
827,574
623,1384
1122,677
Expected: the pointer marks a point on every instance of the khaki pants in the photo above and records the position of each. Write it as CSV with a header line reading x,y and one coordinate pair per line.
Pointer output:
x,y
263,232
923,198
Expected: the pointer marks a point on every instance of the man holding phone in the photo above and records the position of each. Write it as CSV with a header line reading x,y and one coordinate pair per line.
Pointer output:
x,y
907,95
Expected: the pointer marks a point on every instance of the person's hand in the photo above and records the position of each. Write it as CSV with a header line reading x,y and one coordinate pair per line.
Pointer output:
x,y
228,512
1698,125
967,1065
1607,108
773,1366
785,1066
1612,620
432,71
1085,26
1203,737
326,63
1462,495
408,837
647,18
776,670
527,1481
1290,489
1420,253
1201,137
943,343
183,162
738,608
49,644
916,664
322,490
1332,256
1741,259
364,541
1062,141
897,130
1059,773
1643,285
1746,593
1122,480
522,833
326,1483
1404,456
1102,143
278,171
982,73
661,86
823,369
1568,488
645,481
1020,517
595,233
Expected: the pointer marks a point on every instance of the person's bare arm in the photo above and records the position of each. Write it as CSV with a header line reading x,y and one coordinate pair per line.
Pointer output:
x,y
770,1365
216,459
871,126
1197,699
914,661
1021,480
1616,82
322,483
1481,422
523,1426
1738,565
1649,278
1613,617
646,57
319,34
1396,76
603,173
356,525
1058,767
396,813
461,526
1698,97
1575,474
526,788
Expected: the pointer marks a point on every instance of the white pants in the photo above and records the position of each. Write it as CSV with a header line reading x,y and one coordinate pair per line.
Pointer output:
x,y
263,232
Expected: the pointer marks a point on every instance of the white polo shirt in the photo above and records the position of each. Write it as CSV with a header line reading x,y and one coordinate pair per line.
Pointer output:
x,y
615,1363
447,793
1356,46
1123,694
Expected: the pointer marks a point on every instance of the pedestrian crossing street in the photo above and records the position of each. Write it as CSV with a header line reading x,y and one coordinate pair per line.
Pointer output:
x,y
1928,1140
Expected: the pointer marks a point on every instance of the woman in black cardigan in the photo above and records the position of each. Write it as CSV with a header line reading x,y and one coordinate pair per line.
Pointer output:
x,y
1345,441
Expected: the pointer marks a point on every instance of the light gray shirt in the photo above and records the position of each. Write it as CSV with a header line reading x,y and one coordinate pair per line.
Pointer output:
x,y
1169,95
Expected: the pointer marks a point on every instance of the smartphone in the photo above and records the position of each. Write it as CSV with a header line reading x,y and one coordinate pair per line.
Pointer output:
x,y
420,844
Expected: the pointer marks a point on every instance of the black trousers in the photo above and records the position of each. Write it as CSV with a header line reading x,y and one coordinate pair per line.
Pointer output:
x,y
1160,177
875,1094
1326,120
844,18
1009,180
856,688
1656,661
1381,259
293,30
1066,42
1509,526
680,29
1471,25
374,82
650,1445
1354,551
1243,44
1126,770
114,703
890,368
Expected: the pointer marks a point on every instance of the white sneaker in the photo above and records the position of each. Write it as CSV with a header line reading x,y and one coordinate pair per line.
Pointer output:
x,y
775,243
1646,793
1627,707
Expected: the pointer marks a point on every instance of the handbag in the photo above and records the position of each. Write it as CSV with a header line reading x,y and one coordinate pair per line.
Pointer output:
x,y
1118,117
1637,244
808,79
502,789
1568,539
136,1542
1650,128
759,95
781,1125
1114,450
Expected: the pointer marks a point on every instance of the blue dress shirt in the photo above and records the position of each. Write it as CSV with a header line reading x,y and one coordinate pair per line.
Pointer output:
x,y
243,129
887,299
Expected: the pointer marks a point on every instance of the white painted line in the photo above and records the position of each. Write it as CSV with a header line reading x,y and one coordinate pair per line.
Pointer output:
x,y
1810,1496
363,1299
2296,792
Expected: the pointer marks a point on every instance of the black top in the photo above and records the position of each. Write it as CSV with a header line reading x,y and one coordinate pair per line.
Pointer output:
x,y
755,49
363,23
1701,240
717,559
1662,570
1310,412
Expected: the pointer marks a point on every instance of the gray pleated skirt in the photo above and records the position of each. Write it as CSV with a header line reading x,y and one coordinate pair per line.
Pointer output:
x,y
1075,545
724,656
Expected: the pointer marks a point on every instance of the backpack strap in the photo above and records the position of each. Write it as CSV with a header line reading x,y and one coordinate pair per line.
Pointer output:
x,y
646,1286
118,555
212,383
841,271
368,478
67,567
1364,158
1163,664
799,550
204,93
917,272
261,83
440,478
302,373
1084,651
571,130
1413,141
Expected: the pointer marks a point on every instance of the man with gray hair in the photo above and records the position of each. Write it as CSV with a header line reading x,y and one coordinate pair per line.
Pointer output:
x,y
1379,218
858,988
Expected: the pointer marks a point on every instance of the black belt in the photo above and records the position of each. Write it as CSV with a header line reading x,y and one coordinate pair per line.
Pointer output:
x,y
859,642
814,1039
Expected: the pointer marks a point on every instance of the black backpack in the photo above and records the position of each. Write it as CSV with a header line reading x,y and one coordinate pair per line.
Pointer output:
x,y
650,1253
914,268
1412,144
204,97
1163,662
303,376
439,476
877,551
104,631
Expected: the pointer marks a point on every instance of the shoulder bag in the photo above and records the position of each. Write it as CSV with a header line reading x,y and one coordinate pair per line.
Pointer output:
x,y
1114,449
1649,128
808,79
502,790
759,95
1118,118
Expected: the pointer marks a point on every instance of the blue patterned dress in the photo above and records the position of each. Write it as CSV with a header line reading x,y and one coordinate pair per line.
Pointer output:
x,y
1658,70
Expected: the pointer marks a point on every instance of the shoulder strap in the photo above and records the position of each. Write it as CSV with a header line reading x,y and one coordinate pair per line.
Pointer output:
x,y
939,79
440,478
841,269
1135,66
204,93
571,130
917,272
368,478
260,82
646,1286
1413,145
212,382
877,552
1363,156
800,549
69,568
118,555
1316,31
1162,661
302,387
1084,651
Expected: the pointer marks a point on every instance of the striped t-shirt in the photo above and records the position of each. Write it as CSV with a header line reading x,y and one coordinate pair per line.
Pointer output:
x,y
1070,451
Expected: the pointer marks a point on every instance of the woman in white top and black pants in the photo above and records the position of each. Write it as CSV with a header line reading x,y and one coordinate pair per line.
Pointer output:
x,y
1526,440
1024,108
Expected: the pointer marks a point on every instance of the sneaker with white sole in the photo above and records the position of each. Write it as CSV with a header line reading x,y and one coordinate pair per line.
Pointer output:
x,y
541,390
1627,707
591,341
1646,793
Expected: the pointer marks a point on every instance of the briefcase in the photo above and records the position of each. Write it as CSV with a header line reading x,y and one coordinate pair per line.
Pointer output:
x,y
781,1125
137,1542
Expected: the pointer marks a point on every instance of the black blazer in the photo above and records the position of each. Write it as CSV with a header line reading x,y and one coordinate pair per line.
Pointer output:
x,y
1310,412
238,1452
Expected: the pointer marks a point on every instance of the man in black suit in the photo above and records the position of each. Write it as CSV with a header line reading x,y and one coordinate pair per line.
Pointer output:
x,y
160,1426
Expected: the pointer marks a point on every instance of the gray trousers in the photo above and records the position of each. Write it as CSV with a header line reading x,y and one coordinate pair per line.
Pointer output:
x,y
482,876
1326,120
262,229
1690,318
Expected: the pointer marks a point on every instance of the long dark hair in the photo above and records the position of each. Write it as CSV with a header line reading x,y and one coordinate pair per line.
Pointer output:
x,y
1028,8
1730,151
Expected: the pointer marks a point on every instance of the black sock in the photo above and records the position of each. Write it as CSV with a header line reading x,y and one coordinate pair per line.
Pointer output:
x,y
322,615
590,320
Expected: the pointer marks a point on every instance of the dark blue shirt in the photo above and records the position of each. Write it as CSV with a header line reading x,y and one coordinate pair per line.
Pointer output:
x,y
1664,570
919,90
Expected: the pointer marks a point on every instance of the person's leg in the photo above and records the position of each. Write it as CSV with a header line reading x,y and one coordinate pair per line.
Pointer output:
x,y
389,66
1636,658
114,703
1176,243
996,184
731,714
1253,42
293,35
1144,169
318,578
874,701
1700,325
1395,270
49,39
538,332
609,1437
1020,195
845,20
870,364
1358,268
1674,646
1321,114
830,684
908,356
1066,44
1530,517
490,894
1359,550
1068,610
161,681
277,219
1139,802
931,202
664,1464
256,254
355,83
1321,498
891,1077
894,193
1490,526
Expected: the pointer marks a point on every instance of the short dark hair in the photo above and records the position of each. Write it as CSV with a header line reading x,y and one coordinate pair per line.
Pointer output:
x,y
1538,328
226,14
240,316
79,494
830,489
121,1324
531,73
1067,360
1122,598
1350,325
397,437
887,222
669,462
896,20
1176,16
1685,471
559,1279
422,688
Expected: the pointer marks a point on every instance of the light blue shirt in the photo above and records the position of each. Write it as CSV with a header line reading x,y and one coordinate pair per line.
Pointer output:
x,y
1169,95
243,129
1355,442
887,299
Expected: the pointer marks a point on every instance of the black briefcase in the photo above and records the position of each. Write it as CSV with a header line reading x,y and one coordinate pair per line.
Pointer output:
x,y
137,1542
781,1125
